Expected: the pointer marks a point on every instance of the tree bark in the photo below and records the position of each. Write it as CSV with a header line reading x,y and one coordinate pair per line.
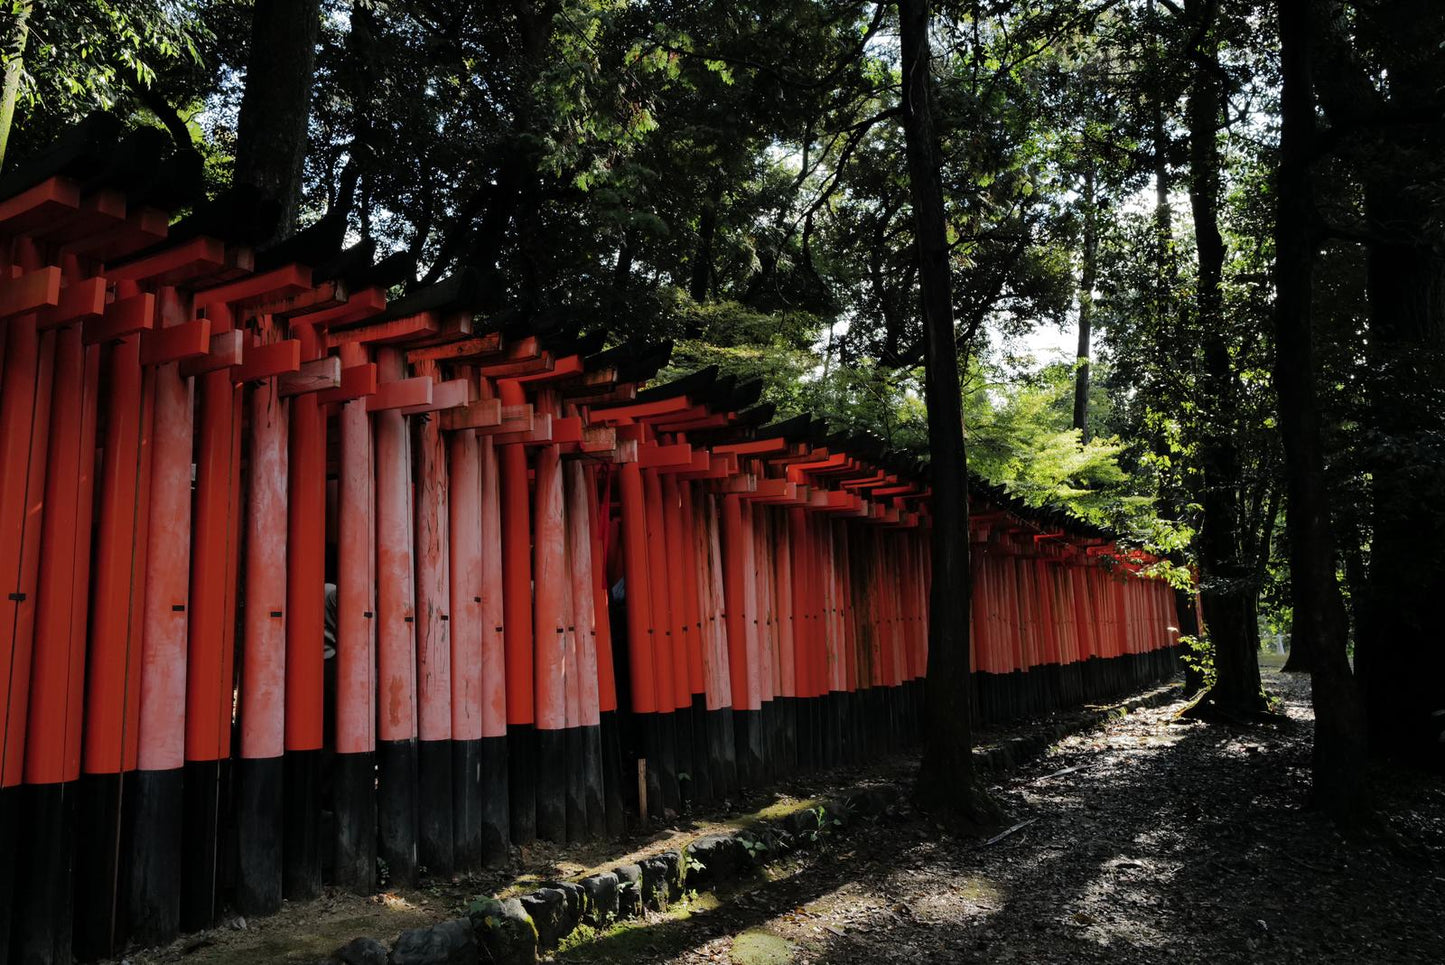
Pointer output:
x,y
271,132
701,282
1319,610
1163,213
1399,658
1088,276
1227,586
363,55
622,270
945,777
165,113
19,33
1185,613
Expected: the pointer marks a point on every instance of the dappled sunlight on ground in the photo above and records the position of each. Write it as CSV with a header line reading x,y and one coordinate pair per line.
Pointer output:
x,y
1150,840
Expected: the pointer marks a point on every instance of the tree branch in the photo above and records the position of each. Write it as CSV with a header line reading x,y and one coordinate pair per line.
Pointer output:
x,y
164,112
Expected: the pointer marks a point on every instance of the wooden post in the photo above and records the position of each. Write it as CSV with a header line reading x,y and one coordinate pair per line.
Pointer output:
x,y
678,560
396,635
154,892
305,633
802,590
637,583
739,592
113,672
692,561
354,778
433,643
581,499
517,604
600,511
550,622
664,754
210,670
465,587
27,366
496,813
260,824
45,853
717,668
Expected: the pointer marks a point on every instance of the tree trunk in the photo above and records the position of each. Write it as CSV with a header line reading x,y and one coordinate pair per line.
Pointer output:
x,y
622,270
1086,305
363,54
271,132
1227,578
1163,213
1185,613
945,777
18,34
1339,751
535,22
1400,657
701,282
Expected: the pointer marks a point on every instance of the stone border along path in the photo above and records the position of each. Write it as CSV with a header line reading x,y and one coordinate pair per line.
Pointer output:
x,y
512,931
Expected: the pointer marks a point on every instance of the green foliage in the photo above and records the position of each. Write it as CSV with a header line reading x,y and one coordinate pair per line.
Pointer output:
x,y
826,824
1198,656
755,847
83,55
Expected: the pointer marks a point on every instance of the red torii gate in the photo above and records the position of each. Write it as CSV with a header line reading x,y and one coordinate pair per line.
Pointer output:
x,y
490,496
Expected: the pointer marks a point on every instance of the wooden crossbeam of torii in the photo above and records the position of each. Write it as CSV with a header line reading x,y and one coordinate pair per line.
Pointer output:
x,y
753,448
30,291
625,414
462,350
41,204
799,453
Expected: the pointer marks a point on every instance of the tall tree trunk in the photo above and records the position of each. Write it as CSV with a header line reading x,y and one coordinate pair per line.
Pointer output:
x,y
271,131
1339,751
945,777
1399,657
14,41
1227,577
622,269
1163,213
1087,278
535,20
363,55
701,282
1185,613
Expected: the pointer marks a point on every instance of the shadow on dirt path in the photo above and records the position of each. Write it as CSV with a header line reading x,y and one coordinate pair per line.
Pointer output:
x,y
1151,840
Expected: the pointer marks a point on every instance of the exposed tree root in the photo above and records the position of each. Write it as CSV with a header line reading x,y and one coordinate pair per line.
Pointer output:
x,y
1204,708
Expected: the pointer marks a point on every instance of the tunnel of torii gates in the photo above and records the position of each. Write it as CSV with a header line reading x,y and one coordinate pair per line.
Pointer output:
x,y
545,572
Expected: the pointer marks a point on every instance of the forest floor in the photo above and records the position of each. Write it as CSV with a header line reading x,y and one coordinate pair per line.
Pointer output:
x,y
1149,839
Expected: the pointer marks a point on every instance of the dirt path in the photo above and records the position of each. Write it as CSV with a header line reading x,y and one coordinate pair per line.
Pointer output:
x,y
1150,841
